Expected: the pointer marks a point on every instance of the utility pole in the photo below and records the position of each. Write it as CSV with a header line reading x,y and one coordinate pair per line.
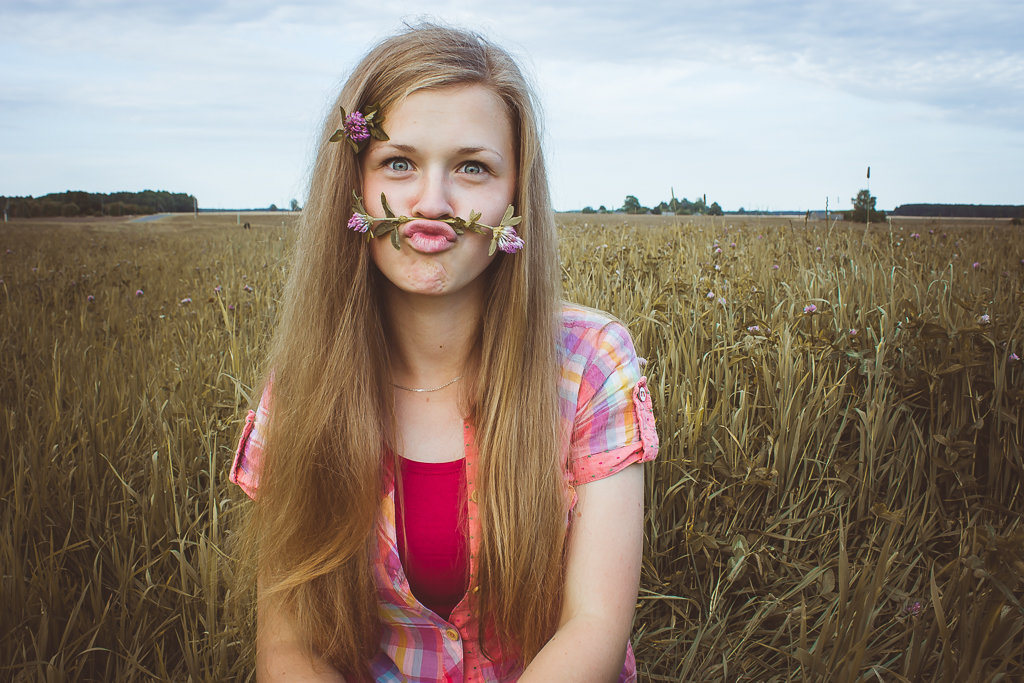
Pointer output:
x,y
869,198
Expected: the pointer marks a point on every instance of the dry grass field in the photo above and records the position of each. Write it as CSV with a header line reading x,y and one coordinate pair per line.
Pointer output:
x,y
838,494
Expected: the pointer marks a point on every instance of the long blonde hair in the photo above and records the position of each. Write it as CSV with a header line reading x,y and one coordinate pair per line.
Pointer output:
x,y
313,531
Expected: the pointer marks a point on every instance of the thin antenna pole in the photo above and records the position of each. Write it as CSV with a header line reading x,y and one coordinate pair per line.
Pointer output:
x,y
869,198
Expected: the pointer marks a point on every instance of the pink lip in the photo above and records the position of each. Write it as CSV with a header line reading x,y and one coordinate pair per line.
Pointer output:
x,y
429,237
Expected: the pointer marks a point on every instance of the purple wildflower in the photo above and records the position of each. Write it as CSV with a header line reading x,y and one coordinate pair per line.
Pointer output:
x,y
217,289
1014,357
139,292
984,319
711,295
355,127
718,250
247,288
775,267
732,244
976,265
90,298
10,251
507,239
914,609
753,328
817,249
231,307
186,301
641,360
853,332
718,267
360,222
810,309
915,235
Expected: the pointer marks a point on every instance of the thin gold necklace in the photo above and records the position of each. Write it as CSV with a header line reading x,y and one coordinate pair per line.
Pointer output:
x,y
421,391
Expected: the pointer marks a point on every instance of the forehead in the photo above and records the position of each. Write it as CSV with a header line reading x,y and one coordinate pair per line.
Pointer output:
x,y
462,111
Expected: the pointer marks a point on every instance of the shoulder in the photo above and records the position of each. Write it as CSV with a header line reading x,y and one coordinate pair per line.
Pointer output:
x,y
586,331
599,364
579,317
605,404
248,461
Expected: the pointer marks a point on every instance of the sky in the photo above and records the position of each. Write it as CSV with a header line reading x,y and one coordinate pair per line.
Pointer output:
x,y
759,104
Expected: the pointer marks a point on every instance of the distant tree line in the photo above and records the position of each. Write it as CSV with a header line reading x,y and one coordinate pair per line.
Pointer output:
x,y
69,204
960,210
679,207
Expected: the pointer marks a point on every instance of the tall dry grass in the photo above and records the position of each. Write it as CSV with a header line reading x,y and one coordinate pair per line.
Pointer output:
x,y
826,505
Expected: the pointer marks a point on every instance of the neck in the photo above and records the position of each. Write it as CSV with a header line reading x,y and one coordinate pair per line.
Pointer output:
x,y
431,338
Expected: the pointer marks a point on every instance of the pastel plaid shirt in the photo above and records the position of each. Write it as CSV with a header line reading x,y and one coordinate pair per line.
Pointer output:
x,y
609,423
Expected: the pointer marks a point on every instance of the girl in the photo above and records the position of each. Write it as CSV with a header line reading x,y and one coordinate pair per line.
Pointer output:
x,y
446,457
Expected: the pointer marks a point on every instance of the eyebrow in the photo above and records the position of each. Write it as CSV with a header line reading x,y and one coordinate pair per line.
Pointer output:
x,y
462,151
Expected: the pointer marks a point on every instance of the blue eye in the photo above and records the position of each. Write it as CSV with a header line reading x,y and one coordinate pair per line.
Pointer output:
x,y
473,168
398,164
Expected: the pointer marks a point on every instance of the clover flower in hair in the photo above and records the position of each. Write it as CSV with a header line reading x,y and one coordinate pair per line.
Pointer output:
x,y
503,236
358,127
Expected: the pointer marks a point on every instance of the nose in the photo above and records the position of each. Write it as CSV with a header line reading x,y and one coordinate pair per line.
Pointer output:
x,y
433,200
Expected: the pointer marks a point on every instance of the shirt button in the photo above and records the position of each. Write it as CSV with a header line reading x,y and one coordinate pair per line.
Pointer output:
x,y
451,634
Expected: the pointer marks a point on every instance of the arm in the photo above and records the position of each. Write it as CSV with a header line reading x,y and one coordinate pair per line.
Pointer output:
x,y
602,576
281,654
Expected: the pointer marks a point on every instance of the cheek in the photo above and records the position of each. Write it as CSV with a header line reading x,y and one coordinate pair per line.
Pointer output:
x,y
371,198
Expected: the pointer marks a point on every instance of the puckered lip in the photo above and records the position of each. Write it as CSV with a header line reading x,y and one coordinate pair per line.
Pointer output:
x,y
429,228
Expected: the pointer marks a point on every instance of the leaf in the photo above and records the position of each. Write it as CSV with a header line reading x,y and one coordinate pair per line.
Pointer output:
x,y
494,245
387,209
343,114
508,215
378,134
394,238
932,330
515,221
357,202
828,582
353,145
338,135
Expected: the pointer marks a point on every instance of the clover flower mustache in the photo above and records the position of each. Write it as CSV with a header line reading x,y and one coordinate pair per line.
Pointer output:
x,y
503,235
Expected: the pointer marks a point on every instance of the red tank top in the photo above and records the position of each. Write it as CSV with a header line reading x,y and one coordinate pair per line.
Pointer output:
x,y
431,526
